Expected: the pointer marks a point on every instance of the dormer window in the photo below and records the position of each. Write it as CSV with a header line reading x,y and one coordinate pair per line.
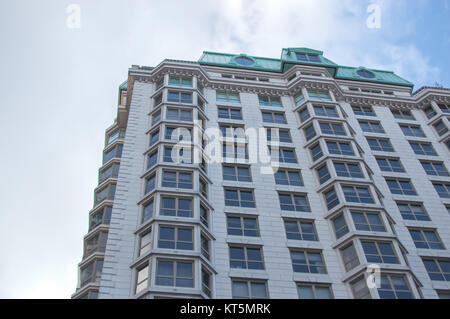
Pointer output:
x,y
365,74
308,57
243,60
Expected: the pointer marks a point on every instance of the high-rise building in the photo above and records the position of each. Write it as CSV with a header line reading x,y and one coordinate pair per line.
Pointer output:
x,y
338,188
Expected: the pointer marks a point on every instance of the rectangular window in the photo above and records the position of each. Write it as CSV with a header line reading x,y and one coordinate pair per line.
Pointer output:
x,y
340,226
429,111
331,198
438,269
326,111
403,115
332,128
248,289
242,226
106,193
97,243
91,273
112,171
412,130
371,127
363,110
147,211
286,155
400,187
300,230
426,238
294,202
236,173
180,81
179,97
142,279
232,131
101,217
319,95
246,257
349,257
205,246
274,117
434,168
323,173
357,194
316,152
440,128
368,221
310,132
175,238
152,159
304,114
230,113
390,165
174,273
116,135
223,96
115,152
145,242
359,288
304,261
204,216
340,148
348,170
314,291
173,206
239,198
177,179
394,287
299,98
234,151
288,177
379,252
445,108
307,57
413,211
178,115
379,144
278,135
421,148
265,100
206,283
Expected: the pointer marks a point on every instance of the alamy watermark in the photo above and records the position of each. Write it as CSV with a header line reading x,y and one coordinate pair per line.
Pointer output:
x,y
374,19
73,20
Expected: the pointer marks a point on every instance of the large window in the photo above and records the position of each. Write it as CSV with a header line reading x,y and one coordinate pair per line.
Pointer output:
x,y
434,168
150,184
274,117
248,289
236,173
440,128
390,165
413,211
286,155
179,97
332,128
180,81
371,127
340,226
443,189
422,148
412,130
400,187
177,179
318,95
147,211
223,96
340,148
357,194
300,230
310,132
239,198
316,152
173,206
91,273
314,291
179,115
363,110
145,242
426,238
380,144
265,100
246,257
326,111
106,193
323,173
102,216
234,151
115,152
368,221
331,198
403,115
437,268
429,111
294,202
279,135
242,226
304,261
379,252
96,243
348,170
175,238
394,287
288,177
175,273
230,113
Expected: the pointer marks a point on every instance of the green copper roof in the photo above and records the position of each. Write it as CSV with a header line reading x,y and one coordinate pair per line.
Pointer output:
x,y
289,59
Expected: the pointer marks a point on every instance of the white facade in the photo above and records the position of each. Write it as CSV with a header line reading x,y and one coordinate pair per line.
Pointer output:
x,y
134,269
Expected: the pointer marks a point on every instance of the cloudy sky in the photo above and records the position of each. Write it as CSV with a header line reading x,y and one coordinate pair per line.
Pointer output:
x,y
59,93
